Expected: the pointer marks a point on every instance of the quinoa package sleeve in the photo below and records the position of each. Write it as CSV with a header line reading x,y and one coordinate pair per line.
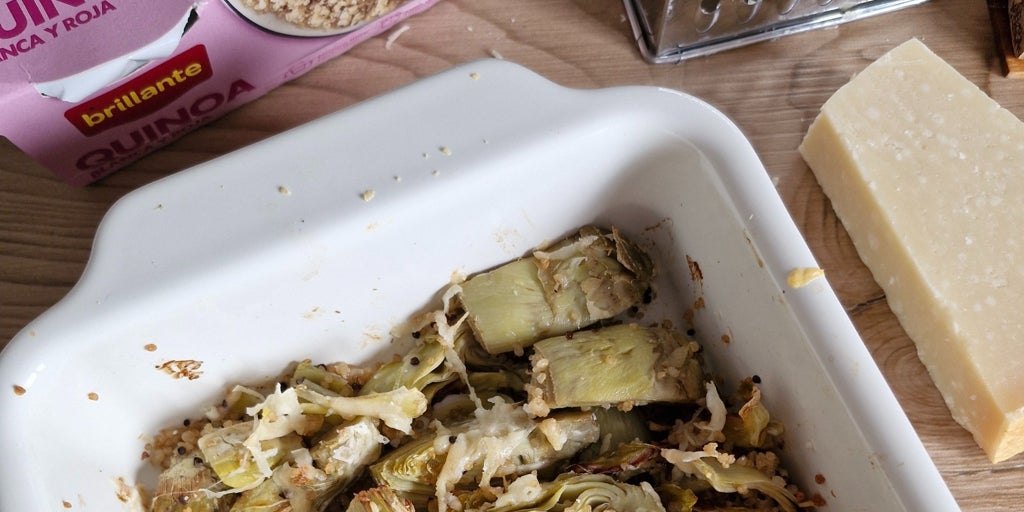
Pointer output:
x,y
88,86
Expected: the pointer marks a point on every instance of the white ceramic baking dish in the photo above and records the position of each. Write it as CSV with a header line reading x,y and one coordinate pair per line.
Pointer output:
x,y
317,242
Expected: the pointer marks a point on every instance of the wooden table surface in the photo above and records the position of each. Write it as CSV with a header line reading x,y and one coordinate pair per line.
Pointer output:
x,y
771,90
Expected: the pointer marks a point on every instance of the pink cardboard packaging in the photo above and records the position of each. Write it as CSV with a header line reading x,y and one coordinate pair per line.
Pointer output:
x,y
88,86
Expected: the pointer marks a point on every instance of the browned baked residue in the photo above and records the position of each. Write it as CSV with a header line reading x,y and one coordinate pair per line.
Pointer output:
x,y
818,500
18,390
93,396
124,492
688,317
819,479
697,276
695,273
726,339
150,347
182,368
757,255
667,221
65,504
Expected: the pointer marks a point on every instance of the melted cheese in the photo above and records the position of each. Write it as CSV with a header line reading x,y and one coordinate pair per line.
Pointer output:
x,y
926,172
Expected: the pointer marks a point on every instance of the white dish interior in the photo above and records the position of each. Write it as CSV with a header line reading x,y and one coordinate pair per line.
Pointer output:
x,y
272,254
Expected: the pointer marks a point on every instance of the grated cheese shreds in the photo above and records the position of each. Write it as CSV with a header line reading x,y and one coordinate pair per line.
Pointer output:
x,y
448,332
279,411
451,425
502,428
524,489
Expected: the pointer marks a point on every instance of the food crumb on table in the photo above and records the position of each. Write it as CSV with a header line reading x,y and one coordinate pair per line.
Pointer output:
x,y
800,277
368,195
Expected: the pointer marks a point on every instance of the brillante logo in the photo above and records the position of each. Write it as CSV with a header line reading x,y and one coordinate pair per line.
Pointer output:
x,y
15,15
143,95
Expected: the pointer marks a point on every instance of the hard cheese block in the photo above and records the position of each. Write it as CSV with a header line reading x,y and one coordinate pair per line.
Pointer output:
x,y
926,173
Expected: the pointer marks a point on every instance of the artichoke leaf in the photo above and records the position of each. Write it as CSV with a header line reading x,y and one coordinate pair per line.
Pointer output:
x,y
624,461
310,479
612,498
724,476
396,408
229,451
677,498
752,425
379,499
183,487
306,372
420,368
265,497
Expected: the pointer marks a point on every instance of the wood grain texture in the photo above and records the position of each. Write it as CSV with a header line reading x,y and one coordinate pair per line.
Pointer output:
x,y
771,90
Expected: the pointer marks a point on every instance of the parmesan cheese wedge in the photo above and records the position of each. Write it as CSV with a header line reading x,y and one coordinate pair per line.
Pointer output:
x,y
926,173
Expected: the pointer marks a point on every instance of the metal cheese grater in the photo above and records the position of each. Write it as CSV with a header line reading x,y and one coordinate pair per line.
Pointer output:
x,y
675,30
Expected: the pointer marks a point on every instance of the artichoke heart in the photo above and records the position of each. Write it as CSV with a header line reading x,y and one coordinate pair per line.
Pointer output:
x,y
183,487
379,499
624,364
494,444
594,275
241,459
311,478
577,493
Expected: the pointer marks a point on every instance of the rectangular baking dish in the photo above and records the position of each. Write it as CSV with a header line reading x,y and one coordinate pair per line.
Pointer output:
x,y
319,241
